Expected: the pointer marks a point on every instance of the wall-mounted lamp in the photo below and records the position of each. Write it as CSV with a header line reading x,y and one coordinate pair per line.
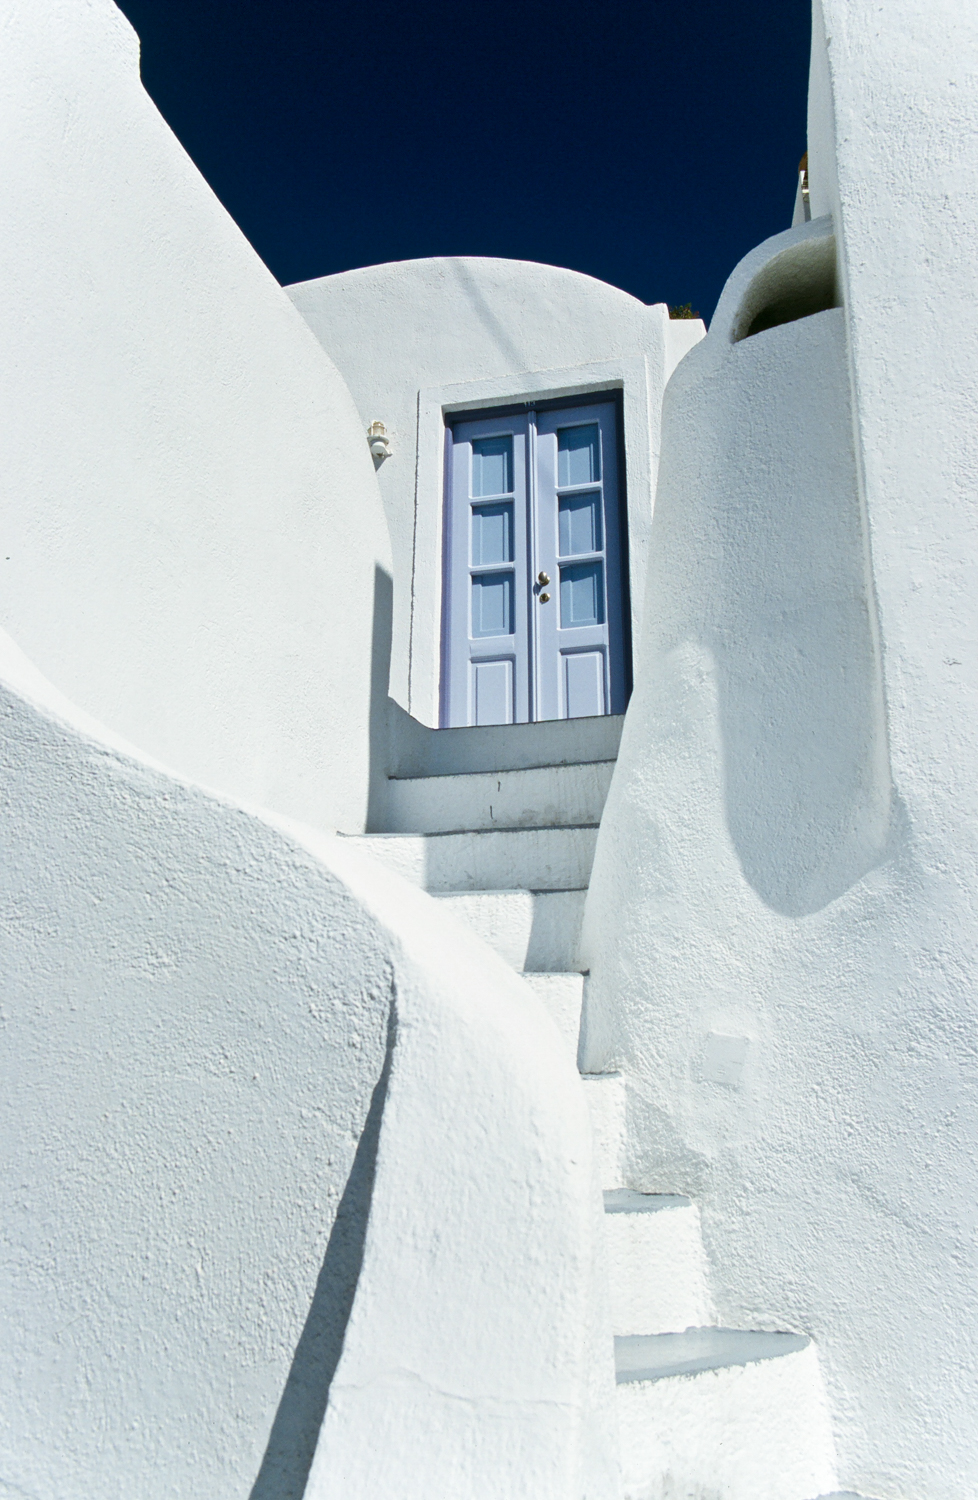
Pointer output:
x,y
377,438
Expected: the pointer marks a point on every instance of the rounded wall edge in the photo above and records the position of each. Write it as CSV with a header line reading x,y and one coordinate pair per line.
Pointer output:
x,y
171,533
746,283
279,1172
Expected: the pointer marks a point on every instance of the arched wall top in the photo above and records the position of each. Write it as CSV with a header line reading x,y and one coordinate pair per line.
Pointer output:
x,y
416,338
789,276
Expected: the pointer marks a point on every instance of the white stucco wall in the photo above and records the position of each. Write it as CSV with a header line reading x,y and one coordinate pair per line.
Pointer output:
x,y
414,338
237,1059
781,925
191,530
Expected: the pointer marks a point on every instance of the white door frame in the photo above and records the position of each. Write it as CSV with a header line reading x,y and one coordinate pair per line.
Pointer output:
x,y
631,377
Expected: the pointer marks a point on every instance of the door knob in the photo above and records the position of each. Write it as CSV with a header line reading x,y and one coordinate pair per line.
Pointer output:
x,y
544,598
543,578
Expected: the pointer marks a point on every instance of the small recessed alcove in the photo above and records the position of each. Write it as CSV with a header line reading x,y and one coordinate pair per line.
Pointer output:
x,y
800,281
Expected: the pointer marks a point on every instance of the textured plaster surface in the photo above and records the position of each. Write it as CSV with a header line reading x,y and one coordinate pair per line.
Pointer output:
x,y
193,545
396,330
756,1431
787,867
238,1062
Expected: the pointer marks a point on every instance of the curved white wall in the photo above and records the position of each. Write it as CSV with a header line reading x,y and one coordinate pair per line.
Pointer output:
x,y
193,545
781,923
201,1139
398,331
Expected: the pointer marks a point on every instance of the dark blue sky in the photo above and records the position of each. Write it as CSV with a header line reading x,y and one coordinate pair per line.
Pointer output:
x,y
648,144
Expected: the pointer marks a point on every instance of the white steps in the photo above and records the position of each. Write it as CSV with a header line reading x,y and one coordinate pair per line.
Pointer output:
x,y
506,859
657,1268
508,850
542,797
717,1413
529,929
705,1413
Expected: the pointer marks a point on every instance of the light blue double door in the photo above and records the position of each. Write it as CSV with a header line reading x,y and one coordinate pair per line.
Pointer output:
x,y
534,620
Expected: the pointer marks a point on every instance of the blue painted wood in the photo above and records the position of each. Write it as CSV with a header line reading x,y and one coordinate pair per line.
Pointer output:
x,y
533,494
579,633
486,658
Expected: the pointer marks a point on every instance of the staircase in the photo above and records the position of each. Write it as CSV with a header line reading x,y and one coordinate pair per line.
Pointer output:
x,y
705,1413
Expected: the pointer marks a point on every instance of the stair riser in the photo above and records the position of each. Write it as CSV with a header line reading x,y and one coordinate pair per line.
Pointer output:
x,y
752,1432
657,1271
530,930
561,994
605,1094
548,796
535,859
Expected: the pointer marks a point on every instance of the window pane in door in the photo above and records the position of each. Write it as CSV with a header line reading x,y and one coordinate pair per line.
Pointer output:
x,y
578,455
492,604
492,534
579,524
492,466
581,595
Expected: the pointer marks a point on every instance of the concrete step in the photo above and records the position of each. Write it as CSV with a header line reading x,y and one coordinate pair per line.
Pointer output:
x,y
511,859
416,750
562,995
657,1269
722,1413
536,931
544,797
605,1093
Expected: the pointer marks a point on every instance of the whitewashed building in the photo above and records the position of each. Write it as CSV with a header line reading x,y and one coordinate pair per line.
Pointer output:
x,y
488,943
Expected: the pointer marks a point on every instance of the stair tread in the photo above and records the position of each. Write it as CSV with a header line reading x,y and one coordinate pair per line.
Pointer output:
x,y
513,890
475,833
501,859
577,975
628,1201
606,760
658,1356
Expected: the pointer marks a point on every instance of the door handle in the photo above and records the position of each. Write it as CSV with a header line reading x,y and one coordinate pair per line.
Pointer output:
x,y
543,579
544,598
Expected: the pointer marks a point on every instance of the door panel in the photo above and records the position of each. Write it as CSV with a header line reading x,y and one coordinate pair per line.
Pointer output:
x,y
583,684
534,623
492,692
486,658
579,632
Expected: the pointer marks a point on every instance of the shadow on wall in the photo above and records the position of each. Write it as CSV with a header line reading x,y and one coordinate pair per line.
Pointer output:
x,y
802,279
514,358
295,1430
761,548
805,762
380,671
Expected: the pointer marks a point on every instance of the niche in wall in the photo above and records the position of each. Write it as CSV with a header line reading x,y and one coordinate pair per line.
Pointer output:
x,y
802,280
